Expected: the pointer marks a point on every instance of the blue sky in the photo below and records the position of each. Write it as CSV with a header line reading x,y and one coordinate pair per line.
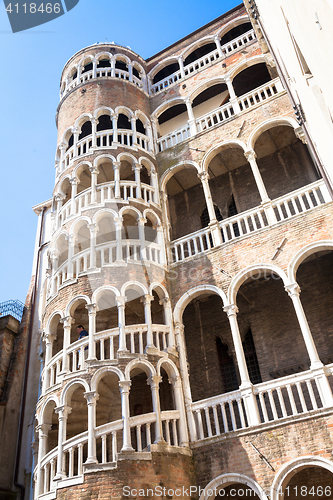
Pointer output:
x,y
31,65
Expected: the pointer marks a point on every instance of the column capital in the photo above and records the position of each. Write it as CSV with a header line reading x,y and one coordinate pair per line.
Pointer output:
x,y
71,238
92,308
124,386
179,327
74,181
59,197
227,79
63,145
94,121
76,130
121,300
293,290
116,164
231,310
250,155
43,429
55,254
93,227
141,221
203,176
48,337
147,299
136,166
67,321
94,170
300,134
165,301
154,381
91,397
176,382
152,170
63,411
118,222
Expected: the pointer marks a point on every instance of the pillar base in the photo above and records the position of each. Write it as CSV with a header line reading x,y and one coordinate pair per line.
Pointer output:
x,y
60,476
91,460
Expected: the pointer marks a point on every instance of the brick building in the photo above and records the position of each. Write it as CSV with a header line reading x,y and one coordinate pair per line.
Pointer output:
x,y
187,214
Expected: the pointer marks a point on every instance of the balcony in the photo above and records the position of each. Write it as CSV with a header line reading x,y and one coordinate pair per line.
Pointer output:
x,y
205,61
247,223
223,114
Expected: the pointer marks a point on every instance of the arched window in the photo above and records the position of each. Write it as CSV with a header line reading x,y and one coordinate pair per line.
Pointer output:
x,y
228,372
86,129
121,65
139,127
205,216
104,123
123,122
104,63
166,71
251,358
87,67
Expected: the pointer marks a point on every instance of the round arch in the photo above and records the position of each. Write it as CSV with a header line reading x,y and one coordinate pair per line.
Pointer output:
x,y
135,285
161,65
53,315
155,285
266,125
169,366
99,55
246,64
232,24
125,111
122,57
82,119
79,167
41,413
216,149
100,290
192,294
196,45
66,135
145,366
103,110
126,157
99,158
84,58
166,105
302,254
253,270
291,468
99,374
104,211
83,218
148,213
71,387
173,170
72,302
224,480
203,86
127,210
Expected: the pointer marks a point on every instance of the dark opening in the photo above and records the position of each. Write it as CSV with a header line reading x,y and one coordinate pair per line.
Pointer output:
x,y
139,127
104,63
232,210
104,123
205,216
209,93
251,359
170,113
235,32
74,75
136,73
228,372
199,52
121,65
250,79
86,129
123,122
163,73
87,67
70,141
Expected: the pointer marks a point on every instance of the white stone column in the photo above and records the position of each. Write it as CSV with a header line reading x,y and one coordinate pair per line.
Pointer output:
x,y
144,81
251,158
43,431
137,168
161,243
149,133
294,293
246,387
181,66
63,412
92,310
74,183
154,382
55,260
94,172
147,299
154,183
116,175
218,45
191,119
168,321
94,62
118,222
79,69
155,126
93,234
48,339
67,322
130,71
113,67
71,248
179,403
91,398
141,226
233,98
124,386
62,147
213,224
167,224
94,123
59,198
179,331
121,300
114,118
76,133
133,127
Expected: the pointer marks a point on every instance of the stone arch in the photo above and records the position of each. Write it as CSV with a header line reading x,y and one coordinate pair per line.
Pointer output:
x,y
99,374
155,285
161,65
192,294
103,110
141,116
134,285
205,85
143,364
149,213
166,105
176,168
100,55
70,305
147,163
246,273
215,150
77,170
85,117
266,125
196,45
99,158
71,387
126,157
41,416
169,367
303,253
66,135
125,210
224,480
122,57
125,111
99,291
85,58
232,24
294,466
104,211
246,64
73,227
